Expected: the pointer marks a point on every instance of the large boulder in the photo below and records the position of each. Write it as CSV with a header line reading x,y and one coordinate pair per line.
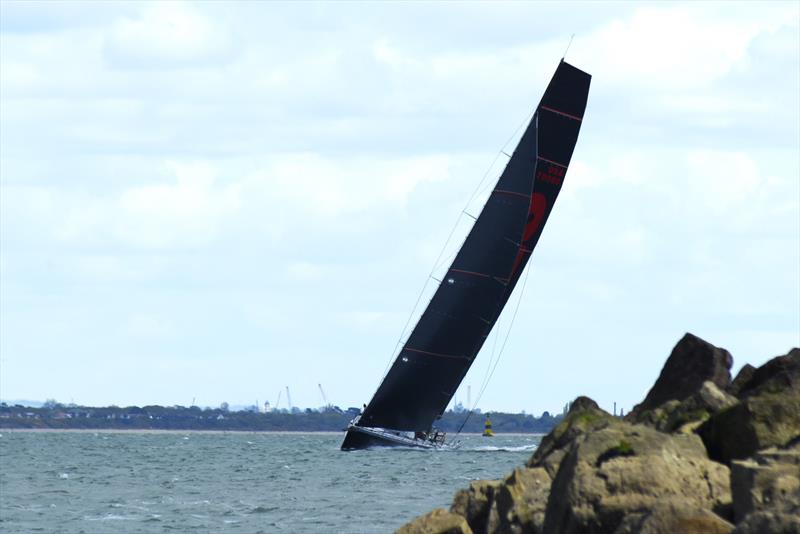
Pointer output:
x,y
439,521
520,502
674,516
742,377
692,362
688,414
767,482
584,416
769,523
475,502
768,414
779,374
626,469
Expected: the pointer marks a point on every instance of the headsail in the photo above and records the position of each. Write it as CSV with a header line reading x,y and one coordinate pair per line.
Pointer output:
x,y
446,339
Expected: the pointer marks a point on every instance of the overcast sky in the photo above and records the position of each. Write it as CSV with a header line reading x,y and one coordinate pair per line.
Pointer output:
x,y
213,201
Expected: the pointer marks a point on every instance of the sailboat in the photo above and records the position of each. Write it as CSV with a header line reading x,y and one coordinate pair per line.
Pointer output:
x,y
467,303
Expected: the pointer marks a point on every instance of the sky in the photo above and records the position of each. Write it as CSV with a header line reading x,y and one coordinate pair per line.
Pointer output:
x,y
209,202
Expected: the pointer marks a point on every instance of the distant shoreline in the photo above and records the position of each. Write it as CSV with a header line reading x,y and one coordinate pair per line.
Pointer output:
x,y
56,416
161,431
195,431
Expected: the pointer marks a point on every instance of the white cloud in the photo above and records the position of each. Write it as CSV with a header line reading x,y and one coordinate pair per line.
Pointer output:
x,y
325,188
168,34
305,271
192,209
114,268
729,183
189,209
669,46
148,325
362,319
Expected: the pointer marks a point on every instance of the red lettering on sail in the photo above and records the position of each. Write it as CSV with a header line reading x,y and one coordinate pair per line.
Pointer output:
x,y
551,174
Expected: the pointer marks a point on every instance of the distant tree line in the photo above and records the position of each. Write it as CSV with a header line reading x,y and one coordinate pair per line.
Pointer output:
x,y
54,415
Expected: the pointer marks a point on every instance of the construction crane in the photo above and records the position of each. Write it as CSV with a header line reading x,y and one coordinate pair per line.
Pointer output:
x,y
279,399
324,398
289,398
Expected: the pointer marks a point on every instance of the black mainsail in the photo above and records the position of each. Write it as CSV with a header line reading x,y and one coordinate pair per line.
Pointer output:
x,y
452,329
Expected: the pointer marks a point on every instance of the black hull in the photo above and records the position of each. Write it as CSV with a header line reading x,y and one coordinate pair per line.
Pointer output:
x,y
357,439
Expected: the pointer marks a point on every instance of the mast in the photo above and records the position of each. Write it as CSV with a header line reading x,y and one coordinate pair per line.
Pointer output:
x,y
452,329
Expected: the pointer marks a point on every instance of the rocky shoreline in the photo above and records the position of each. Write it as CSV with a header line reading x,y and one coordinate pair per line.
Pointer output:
x,y
700,454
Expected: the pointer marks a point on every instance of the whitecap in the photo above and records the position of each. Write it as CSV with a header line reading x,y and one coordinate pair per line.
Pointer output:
x,y
109,517
492,448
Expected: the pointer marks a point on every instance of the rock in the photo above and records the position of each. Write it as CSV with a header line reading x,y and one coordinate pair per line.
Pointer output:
x,y
779,374
628,469
674,516
651,472
713,399
475,503
770,481
520,502
582,404
658,417
768,414
692,362
742,378
439,521
584,416
769,523
708,400
686,415
755,423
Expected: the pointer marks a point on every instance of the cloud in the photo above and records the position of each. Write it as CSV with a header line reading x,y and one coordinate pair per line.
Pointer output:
x,y
168,35
20,16
305,271
188,210
728,182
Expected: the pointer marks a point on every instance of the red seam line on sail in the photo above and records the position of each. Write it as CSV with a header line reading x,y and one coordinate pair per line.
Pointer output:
x,y
557,112
523,195
552,162
452,356
470,272
528,250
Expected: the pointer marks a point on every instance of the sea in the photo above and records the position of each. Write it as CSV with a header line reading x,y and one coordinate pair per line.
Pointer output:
x,y
104,482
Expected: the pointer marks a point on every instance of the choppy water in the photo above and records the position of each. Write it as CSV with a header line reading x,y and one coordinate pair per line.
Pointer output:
x,y
85,482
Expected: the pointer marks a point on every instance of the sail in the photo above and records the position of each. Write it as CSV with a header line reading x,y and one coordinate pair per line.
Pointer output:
x,y
452,329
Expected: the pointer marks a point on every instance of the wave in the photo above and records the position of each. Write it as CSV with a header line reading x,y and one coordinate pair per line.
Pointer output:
x,y
493,448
